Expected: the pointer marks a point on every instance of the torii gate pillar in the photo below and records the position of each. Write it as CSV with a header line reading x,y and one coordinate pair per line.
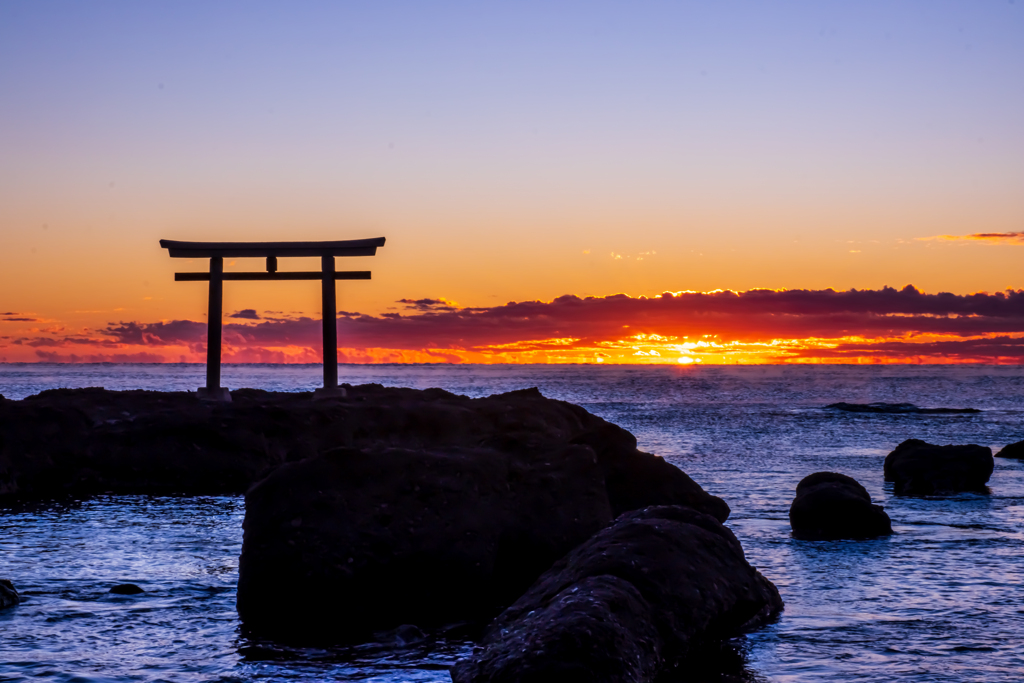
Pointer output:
x,y
328,276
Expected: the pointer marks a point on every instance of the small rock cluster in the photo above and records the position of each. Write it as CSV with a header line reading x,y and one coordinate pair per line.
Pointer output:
x,y
830,506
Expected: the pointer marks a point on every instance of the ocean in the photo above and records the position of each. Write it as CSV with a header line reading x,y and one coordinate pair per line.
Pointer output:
x,y
941,600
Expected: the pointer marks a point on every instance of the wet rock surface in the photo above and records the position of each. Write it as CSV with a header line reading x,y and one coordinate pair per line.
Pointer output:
x,y
8,594
1013,450
383,537
126,589
830,506
628,604
420,536
920,468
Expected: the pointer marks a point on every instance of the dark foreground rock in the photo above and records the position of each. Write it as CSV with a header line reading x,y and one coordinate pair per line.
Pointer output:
x,y
376,538
385,507
1013,450
830,506
632,601
920,468
8,595
891,408
79,442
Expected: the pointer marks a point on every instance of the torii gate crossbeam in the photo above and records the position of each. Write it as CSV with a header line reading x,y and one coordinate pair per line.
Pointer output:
x,y
217,251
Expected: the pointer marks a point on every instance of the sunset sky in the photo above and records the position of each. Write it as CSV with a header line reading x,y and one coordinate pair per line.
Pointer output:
x,y
669,182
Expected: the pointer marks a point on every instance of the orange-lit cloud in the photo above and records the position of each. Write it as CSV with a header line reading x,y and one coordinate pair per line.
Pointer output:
x,y
990,237
756,326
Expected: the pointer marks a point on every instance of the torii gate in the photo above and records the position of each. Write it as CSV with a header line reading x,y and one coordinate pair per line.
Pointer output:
x,y
217,251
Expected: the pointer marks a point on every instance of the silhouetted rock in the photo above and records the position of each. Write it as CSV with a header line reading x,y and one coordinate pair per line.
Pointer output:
x,y
829,505
1013,450
8,595
428,537
395,536
634,599
920,468
894,408
448,507
126,589
85,441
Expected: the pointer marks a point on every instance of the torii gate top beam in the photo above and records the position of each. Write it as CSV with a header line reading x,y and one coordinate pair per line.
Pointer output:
x,y
178,249
218,251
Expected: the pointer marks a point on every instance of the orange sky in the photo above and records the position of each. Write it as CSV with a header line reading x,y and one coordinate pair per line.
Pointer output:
x,y
513,155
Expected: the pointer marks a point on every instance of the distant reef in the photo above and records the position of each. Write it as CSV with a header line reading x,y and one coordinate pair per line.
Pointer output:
x,y
894,408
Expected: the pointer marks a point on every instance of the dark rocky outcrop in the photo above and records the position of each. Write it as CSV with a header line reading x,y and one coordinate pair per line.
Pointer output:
x,y
8,595
830,506
384,507
634,599
1013,450
81,442
126,589
920,468
890,408
388,536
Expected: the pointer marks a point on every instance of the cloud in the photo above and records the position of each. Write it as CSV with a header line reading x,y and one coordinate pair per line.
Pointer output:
x,y
991,237
171,333
137,357
245,314
429,304
751,316
989,349
21,320
763,325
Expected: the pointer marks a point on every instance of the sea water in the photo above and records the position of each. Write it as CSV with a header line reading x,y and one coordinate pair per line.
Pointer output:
x,y
941,600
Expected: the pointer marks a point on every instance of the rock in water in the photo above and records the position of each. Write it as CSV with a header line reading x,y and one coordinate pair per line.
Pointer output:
x,y
81,442
383,537
830,506
625,605
379,538
920,468
1013,450
126,589
894,408
446,509
8,595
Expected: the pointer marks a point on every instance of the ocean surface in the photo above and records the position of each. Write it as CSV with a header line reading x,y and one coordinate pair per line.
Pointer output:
x,y
941,600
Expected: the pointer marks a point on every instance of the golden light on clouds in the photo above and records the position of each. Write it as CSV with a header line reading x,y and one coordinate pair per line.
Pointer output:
x,y
988,237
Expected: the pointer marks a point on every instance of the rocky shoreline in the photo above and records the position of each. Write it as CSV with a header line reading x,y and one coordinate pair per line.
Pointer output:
x,y
574,554
394,508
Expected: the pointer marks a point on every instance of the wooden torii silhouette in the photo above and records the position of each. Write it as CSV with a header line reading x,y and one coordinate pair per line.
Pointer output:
x,y
217,251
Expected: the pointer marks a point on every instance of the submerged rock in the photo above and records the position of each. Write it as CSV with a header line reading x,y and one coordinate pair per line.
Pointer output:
x,y
920,468
830,506
894,408
8,595
1013,450
126,589
631,601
